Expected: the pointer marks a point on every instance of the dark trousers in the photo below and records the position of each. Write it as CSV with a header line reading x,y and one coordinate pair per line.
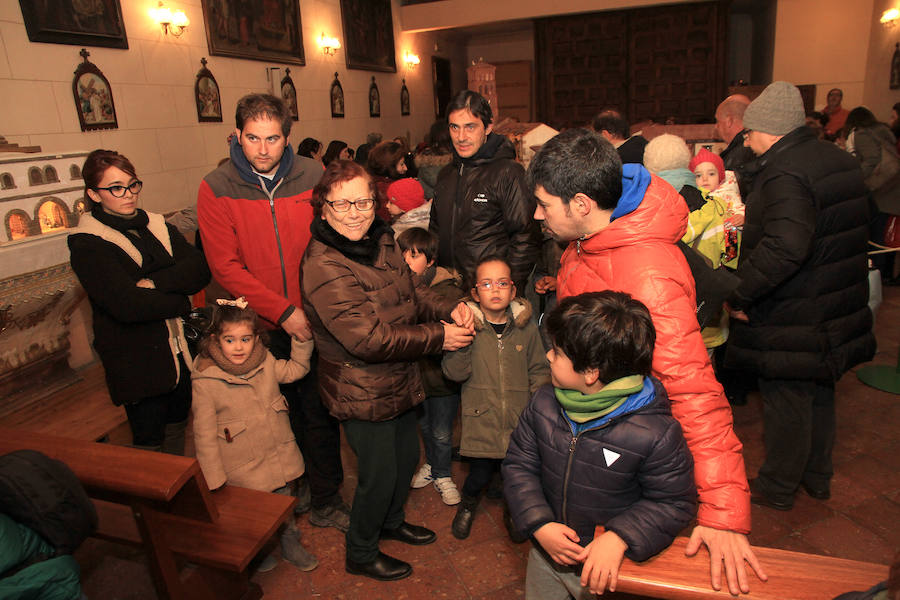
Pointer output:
x,y
387,453
148,417
318,433
481,471
798,434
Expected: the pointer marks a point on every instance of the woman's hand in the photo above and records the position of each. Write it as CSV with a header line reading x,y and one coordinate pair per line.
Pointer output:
x,y
456,337
463,317
146,283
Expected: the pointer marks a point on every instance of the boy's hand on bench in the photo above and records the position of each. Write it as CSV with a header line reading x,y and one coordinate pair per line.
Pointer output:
x,y
602,559
731,548
560,542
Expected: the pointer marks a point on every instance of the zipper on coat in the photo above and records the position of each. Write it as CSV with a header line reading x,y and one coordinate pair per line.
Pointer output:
x,y
565,500
453,211
271,196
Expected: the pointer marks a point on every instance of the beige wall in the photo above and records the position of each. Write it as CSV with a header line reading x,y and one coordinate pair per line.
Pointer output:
x,y
152,84
826,43
877,95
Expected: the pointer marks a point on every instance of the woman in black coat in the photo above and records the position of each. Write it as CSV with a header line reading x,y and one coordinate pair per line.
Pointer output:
x,y
138,272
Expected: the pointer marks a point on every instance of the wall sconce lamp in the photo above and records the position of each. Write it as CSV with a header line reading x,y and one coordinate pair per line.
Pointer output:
x,y
411,60
889,17
171,21
329,45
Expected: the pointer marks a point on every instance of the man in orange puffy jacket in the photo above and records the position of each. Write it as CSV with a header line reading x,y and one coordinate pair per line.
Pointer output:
x,y
623,225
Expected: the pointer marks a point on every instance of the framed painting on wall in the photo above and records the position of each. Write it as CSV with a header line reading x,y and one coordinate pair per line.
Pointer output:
x,y
238,30
337,99
206,94
369,35
289,95
93,97
374,100
97,23
404,100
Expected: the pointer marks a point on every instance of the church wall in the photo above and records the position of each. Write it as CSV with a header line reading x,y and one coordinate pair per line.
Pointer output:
x,y
153,89
826,43
877,95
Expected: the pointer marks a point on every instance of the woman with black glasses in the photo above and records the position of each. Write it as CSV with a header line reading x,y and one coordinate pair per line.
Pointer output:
x,y
371,323
138,273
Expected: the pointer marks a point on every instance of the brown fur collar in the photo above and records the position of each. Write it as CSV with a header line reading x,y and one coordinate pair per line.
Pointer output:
x,y
520,308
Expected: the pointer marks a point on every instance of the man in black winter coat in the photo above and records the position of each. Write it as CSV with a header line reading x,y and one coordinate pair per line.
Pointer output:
x,y
481,204
800,312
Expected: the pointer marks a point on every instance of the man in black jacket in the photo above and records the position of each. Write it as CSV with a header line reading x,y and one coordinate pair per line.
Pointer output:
x,y
481,205
730,127
801,317
612,125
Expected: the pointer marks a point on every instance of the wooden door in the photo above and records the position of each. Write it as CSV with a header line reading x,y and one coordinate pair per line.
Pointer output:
x,y
514,90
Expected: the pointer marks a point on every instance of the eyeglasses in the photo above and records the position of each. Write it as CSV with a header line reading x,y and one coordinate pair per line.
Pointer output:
x,y
118,191
362,205
500,284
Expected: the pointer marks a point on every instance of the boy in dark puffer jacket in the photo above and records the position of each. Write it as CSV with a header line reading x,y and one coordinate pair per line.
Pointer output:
x,y
597,468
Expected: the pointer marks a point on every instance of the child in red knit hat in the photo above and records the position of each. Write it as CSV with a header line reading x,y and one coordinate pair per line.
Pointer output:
x,y
715,182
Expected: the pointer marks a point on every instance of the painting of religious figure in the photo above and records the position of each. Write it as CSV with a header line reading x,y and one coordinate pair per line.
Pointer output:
x,y
206,95
404,100
289,95
374,100
369,35
337,99
75,22
267,30
93,97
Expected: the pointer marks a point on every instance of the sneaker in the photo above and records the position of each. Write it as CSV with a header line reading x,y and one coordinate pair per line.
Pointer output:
x,y
267,564
422,477
447,489
335,515
294,552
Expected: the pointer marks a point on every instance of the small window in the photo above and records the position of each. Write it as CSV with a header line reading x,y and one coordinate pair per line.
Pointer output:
x,y
35,176
7,182
17,225
74,172
50,175
52,216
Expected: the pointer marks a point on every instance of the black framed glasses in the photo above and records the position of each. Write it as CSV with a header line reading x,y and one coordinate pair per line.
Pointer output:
x,y
342,206
500,284
118,191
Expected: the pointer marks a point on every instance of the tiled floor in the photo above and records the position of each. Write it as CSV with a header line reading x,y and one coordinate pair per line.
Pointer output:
x,y
861,521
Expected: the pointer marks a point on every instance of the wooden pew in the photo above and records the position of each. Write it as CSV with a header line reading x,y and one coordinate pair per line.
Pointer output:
x,y
792,576
199,543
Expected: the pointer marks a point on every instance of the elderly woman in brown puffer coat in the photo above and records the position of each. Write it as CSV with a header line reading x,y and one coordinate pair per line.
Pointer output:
x,y
371,322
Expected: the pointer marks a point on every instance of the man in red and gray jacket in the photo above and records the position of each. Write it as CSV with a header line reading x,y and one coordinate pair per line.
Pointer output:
x,y
254,223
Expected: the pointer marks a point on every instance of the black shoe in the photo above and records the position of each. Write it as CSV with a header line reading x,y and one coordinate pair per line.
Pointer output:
x,y
408,533
757,496
465,515
383,568
818,492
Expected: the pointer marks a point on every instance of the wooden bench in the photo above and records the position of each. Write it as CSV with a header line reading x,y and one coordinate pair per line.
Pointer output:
x,y
792,576
82,410
198,542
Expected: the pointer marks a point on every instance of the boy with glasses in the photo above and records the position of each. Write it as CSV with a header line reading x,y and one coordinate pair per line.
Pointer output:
x,y
499,371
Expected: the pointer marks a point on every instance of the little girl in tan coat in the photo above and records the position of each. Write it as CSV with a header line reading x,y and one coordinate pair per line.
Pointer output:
x,y
242,433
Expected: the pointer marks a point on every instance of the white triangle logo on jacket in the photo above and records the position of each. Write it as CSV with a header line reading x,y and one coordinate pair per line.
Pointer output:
x,y
610,456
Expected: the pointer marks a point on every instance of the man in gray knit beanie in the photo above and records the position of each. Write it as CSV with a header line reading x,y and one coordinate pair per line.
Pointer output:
x,y
800,313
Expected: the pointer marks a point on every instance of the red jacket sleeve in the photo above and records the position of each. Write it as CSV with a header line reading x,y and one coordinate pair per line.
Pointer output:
x,y
681,363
